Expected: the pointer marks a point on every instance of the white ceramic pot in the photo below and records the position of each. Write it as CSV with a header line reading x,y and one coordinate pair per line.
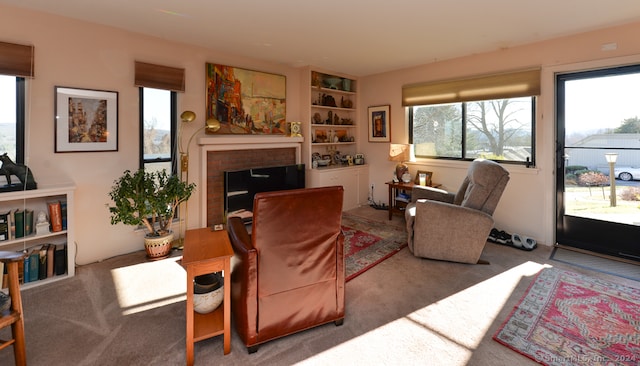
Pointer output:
x,y
209,301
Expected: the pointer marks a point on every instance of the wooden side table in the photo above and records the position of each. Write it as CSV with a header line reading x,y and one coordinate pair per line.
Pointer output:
x,y
207,251
396,206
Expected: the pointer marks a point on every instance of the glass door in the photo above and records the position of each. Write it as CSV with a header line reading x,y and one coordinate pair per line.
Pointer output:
x,y
598,161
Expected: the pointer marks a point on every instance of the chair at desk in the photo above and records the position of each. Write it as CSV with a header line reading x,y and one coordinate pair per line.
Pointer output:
x,y
13,316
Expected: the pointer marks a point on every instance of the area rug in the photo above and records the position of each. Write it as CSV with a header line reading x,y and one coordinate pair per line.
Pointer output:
x,y
567,318
368,242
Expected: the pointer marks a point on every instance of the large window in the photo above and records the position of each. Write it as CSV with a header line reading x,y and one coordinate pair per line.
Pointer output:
x,y
499,129
157,129
12,117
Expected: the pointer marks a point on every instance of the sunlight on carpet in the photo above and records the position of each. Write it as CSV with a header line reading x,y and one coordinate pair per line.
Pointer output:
x,y
476,308
149,285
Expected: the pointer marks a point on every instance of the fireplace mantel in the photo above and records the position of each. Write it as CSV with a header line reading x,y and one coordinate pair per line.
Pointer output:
x,y
212,143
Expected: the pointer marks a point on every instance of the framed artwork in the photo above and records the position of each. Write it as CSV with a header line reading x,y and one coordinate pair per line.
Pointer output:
x,y
246,101
379,124
85,120
428,176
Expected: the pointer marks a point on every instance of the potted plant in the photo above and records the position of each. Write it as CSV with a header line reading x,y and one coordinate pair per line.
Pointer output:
x,y
149,199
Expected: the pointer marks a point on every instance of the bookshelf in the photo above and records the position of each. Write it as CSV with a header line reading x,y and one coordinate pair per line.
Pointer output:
x,y
37,200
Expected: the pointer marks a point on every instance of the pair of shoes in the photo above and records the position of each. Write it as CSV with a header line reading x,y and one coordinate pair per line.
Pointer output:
x,y
500,237
523,242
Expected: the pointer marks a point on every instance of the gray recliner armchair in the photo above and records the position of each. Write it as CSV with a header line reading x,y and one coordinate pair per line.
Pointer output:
x,y
455,226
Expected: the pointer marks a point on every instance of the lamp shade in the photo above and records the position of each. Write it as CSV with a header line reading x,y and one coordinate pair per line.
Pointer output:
x,y
399,152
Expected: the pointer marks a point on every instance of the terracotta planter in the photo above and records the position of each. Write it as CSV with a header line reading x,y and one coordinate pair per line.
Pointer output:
x,y
158,247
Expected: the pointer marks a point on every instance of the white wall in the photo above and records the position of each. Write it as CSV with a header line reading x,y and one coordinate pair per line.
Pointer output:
x,y
528,204
83,55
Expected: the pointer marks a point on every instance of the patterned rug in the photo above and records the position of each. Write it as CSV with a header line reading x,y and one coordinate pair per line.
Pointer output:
x,y
567,318
368,242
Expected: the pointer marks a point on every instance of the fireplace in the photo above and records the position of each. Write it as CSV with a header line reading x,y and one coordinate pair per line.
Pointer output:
x,y
221,153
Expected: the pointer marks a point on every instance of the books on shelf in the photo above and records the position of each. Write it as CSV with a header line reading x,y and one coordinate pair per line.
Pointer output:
x,y
5,225
42,262
55,215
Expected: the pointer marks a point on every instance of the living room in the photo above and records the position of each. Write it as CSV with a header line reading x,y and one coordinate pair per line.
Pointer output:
x,y
75,53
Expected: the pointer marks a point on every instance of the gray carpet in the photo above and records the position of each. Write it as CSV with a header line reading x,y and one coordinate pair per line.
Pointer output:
x,y
404,311
597,263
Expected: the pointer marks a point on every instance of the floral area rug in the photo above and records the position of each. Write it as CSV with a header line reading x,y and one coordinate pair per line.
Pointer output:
x,y
368,242
567,318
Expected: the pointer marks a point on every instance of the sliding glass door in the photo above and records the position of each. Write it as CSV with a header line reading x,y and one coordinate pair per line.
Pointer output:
x,y
598,161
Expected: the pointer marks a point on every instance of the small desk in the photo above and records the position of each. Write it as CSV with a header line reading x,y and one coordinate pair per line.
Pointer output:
x,y
397,207
206,251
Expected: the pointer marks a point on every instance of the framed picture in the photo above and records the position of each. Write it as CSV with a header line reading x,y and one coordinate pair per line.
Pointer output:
x,y
246,101
85,120
379,124
428,176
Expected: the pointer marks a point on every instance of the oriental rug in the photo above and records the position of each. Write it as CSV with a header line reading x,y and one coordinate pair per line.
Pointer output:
x,y
369,242
566,318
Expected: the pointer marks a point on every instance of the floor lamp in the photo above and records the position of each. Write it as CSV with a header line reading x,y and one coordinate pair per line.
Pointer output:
x,y
212,125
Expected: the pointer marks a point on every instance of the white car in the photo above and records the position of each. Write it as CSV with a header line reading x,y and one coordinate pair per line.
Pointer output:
x,y
627,173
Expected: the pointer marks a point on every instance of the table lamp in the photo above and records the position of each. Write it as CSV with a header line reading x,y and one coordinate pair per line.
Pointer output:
x,y
399,153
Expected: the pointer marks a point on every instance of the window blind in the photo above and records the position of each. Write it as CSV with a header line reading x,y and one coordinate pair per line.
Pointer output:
x,y
497,86
159,77
16,59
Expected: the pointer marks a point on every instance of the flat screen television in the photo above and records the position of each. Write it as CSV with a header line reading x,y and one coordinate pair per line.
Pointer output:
x,y
241,186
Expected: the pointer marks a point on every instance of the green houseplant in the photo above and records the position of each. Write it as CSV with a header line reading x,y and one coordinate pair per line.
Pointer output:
x,y
149,199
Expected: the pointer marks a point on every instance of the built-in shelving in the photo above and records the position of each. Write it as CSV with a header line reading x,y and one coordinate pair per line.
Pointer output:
x,y
37,201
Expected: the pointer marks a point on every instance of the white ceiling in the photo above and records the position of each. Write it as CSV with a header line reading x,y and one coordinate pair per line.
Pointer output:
x,y
355,37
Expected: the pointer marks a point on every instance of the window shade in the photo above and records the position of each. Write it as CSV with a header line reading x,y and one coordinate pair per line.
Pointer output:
x,y
498,86
16,59
159,77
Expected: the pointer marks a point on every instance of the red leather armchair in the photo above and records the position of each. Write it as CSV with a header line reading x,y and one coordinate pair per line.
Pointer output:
x,y
288,275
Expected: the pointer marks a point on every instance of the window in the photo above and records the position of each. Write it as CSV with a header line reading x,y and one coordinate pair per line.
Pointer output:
x,y
158,129
12,120
498,129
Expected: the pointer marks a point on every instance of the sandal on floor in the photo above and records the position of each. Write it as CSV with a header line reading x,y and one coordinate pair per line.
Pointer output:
x,y
523,242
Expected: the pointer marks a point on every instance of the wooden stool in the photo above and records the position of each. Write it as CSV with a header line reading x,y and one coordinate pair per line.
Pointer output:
x,y
13,317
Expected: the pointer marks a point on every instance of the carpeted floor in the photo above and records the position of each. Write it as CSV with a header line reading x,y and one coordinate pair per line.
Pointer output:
x,y
566,318
403,311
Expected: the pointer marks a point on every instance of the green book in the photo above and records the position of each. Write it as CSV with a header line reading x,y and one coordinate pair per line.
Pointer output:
x,y
34,265
19,218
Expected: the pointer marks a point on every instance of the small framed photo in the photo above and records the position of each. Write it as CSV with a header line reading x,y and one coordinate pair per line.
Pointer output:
x,y
85,120
379,124
423,178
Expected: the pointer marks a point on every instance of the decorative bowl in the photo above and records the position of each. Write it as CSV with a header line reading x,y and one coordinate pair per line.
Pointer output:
x,y
208,292
208,302
333,83
324,162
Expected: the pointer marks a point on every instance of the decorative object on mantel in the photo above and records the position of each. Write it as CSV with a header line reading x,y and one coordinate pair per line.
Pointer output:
x,y
295,129
400,153
246,101
379,124
22,172
150,200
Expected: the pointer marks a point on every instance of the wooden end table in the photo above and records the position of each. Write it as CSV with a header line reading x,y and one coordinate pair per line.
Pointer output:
x,y
207,251
396,206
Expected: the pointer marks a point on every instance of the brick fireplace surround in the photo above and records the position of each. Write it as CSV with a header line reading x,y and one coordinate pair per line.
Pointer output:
x,y
224,153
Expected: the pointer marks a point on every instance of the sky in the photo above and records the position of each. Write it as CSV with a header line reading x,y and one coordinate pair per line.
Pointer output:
x,y
604,102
